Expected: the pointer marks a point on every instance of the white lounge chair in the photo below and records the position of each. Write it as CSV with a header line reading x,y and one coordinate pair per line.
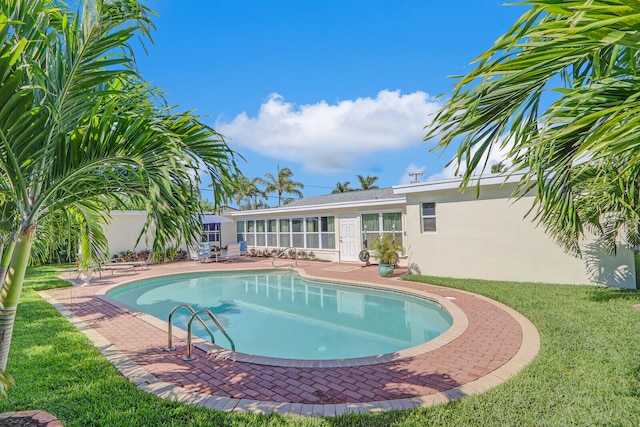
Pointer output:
x,y
200,253
231,255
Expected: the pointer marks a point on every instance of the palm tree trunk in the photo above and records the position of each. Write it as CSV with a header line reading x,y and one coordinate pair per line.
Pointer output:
x,y
12,288
6,259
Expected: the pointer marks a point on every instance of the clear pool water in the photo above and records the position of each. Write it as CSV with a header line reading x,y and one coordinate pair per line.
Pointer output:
x,y
281,314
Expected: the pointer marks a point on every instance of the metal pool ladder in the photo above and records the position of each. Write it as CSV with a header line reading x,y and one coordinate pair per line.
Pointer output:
x,y
276,256
194,315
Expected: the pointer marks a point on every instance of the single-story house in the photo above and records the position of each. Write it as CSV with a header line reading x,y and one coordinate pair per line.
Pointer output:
x,y
444,231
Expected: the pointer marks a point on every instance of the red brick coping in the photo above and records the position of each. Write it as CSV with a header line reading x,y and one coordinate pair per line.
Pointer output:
x,y
41,418
490,344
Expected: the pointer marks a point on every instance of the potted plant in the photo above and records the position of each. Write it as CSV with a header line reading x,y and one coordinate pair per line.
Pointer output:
x,y
386,249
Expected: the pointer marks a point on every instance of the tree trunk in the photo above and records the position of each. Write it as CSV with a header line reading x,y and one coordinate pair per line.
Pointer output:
x,y
6,259
12,288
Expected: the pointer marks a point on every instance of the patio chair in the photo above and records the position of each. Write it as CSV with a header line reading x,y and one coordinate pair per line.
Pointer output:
x,y
243,247
232,254
201,253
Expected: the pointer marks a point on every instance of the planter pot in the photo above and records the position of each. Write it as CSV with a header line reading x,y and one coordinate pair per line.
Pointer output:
x,y
86,275
385,270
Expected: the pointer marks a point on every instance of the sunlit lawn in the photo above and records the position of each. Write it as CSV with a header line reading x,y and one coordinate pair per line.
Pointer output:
x,y
587,373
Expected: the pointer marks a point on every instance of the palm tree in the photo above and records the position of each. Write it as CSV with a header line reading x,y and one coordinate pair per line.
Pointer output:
x,y
254,195
559,91
282,184
80,131
499,167
367,183
342,187
248,191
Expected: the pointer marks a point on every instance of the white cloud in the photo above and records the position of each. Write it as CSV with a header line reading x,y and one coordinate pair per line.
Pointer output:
x,y
332,138
496,155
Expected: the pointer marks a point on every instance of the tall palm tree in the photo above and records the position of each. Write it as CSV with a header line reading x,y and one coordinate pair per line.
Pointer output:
x,y
499,167
559,91
79,130
255,196
245,190
342,187
282,184
367,183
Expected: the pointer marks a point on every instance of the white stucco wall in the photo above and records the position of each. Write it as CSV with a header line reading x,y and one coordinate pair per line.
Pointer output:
x,y
126,226
490,238
123,231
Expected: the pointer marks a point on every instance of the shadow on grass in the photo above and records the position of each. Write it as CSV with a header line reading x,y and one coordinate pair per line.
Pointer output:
x,y
610,294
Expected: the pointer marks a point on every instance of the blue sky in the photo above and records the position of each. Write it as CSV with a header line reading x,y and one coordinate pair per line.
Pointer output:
x,y
330,89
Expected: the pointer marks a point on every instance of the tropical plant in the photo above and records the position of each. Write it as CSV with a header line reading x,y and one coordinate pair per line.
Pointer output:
x,y
559,92
80,131
282,184
246,192
6,382
368,182
499,167
342,187
386,249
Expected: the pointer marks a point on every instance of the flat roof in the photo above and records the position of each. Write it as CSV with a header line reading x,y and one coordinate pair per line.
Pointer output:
x,y
453,183
356,198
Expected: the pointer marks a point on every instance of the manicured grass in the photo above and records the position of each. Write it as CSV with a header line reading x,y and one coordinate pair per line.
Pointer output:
x,y
637,264
587,373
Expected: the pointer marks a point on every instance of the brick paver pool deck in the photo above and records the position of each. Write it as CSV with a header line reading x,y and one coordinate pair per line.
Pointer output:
x,y
487,344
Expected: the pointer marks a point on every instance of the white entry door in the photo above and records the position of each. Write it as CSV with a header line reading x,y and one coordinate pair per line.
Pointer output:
x,y
349,239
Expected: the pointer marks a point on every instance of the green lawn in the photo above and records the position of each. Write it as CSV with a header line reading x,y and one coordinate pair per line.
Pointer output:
x,y
587,373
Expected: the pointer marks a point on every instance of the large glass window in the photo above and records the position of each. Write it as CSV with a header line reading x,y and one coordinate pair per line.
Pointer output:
x,y
272,232
297,232
429,217
374,225
313,234
327,232
260,233
304,233
285,233
240,231
251,230
211,233
370,227
392,224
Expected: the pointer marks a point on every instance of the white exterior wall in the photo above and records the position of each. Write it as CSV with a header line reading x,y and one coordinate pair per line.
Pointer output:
x,y
123,231
125,227
490,238
227,233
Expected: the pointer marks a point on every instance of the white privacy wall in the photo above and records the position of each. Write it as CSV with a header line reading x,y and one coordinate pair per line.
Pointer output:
x,y
123,231
490,238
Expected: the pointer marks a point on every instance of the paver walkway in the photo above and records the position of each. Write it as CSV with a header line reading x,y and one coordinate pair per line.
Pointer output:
x,y
493,345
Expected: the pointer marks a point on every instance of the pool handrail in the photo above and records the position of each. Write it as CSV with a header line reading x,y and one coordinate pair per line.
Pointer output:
x,y
277,255
170,346
190,335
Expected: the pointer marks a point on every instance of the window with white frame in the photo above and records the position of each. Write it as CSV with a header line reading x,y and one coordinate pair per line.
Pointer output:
x,y
240,231
211,233
260,233
272,232
327,232
251,233
314,232
297,232
429,217
377,224
285,232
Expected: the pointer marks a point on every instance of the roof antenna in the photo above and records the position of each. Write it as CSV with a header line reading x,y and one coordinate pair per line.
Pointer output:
x,y
415,175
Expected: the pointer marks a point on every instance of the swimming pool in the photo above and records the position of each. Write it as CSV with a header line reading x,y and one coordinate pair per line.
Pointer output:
x,y
283,315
